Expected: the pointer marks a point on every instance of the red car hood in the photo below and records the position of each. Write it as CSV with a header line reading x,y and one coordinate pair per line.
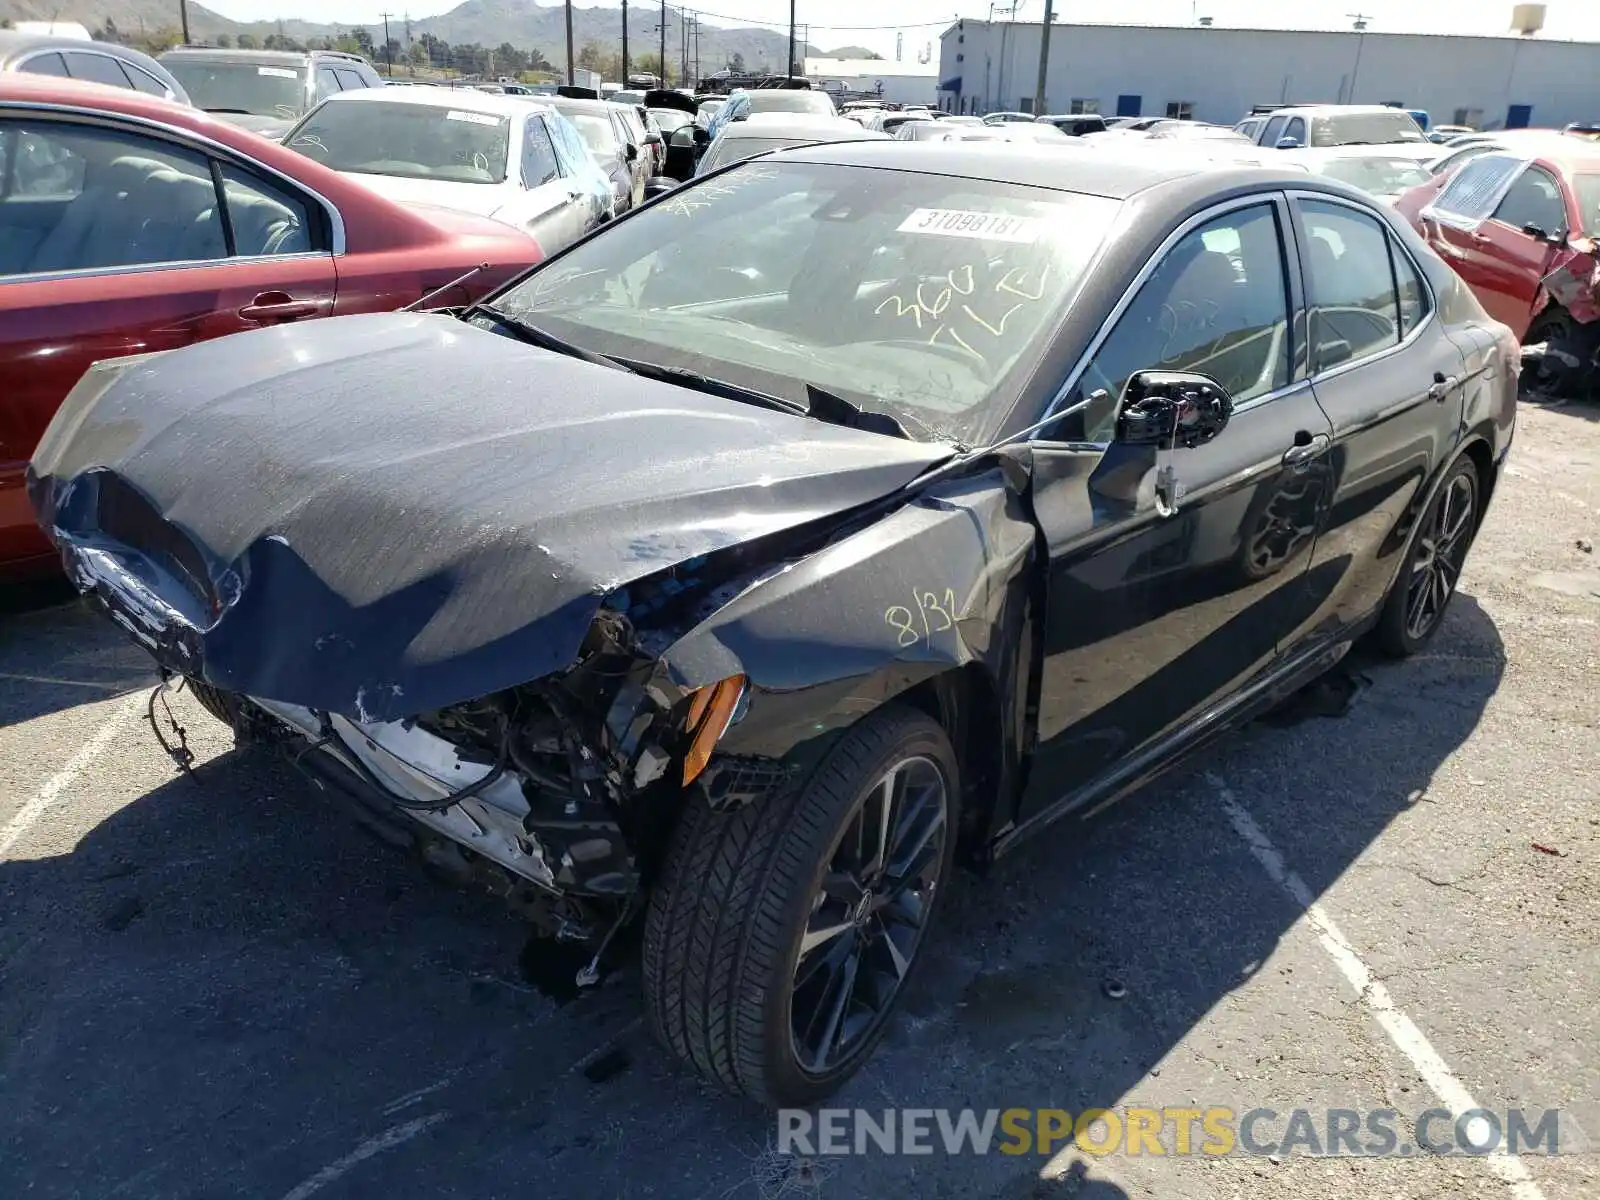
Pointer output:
x,y
462,224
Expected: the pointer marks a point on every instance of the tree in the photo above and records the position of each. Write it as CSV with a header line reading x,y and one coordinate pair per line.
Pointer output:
x,y
247,41
736,63
508,60
224,42
590,55
418,55
363,37
392,52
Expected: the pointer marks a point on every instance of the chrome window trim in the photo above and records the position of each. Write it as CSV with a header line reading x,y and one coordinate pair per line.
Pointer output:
x,y
1205,216
1395,244
336,235
183,264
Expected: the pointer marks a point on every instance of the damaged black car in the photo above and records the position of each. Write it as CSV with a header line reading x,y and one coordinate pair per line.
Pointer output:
x,y
839,517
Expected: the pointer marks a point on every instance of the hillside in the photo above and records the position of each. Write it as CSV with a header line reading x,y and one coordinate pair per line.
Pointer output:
x,y
522,23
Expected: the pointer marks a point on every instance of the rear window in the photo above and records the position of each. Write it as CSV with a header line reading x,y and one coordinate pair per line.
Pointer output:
x,y
411,141
1476,189
1366,129
784,100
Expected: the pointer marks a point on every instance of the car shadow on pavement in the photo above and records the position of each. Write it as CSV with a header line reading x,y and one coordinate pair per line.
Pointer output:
x,y
227,987
1581,409
56,653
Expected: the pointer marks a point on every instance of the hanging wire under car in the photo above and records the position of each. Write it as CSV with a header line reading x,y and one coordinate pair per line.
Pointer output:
x,y
330,737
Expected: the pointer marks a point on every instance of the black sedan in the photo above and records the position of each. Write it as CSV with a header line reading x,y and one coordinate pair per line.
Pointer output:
x,y
843,513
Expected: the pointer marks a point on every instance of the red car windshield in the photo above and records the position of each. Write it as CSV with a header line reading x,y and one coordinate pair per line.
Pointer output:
x,y
1587,190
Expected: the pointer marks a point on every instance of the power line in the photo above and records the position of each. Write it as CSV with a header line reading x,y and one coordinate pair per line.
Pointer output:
x,y
841,28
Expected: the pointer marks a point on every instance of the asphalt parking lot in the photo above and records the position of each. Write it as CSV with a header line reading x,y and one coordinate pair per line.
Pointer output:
x,y
219,985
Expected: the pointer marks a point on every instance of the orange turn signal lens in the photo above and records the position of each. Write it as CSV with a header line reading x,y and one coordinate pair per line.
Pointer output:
x,y
710,713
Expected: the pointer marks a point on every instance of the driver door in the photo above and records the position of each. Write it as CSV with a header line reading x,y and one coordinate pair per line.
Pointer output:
x,y
1152,617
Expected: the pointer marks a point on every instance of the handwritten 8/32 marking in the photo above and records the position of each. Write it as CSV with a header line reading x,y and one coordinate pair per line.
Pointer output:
x,y
934,614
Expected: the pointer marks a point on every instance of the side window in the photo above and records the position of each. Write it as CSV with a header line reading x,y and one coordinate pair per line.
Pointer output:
x,y
145,81
45,64
327,83
1274,131
95,68
1296,129
1414,302
1350,286
1216,304
127,200
350,81
539,165
1475,189
265,217
1534,199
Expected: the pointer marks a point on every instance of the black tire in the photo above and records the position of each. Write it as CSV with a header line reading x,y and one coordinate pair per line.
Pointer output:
x,y
1566,373
218,703
1434,559
739,889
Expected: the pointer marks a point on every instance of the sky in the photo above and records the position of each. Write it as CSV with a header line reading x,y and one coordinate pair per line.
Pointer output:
x,y
926,19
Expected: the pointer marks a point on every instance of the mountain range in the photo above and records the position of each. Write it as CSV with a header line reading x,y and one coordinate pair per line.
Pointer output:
x,y
523,23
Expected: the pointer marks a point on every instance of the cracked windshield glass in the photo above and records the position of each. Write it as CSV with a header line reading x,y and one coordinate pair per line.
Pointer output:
x,y
925,297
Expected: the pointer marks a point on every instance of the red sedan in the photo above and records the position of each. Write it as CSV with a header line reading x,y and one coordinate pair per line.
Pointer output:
x,y
1507,220
129,225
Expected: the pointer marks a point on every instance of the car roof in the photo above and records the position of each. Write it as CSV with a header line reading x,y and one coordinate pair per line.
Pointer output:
x,y
460,99
598,108
1335,110
1086,171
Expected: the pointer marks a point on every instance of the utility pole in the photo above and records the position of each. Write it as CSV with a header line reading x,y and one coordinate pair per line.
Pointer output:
x,y
1360,23
697,52
570,63
663,43
683,48
1044,57
624,43
788,71
388,55
183,19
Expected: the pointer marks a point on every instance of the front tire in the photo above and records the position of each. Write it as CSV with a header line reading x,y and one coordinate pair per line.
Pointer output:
x,y
781,934
1416,605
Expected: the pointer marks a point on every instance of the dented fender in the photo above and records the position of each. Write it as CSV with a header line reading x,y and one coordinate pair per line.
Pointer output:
x,y
941,584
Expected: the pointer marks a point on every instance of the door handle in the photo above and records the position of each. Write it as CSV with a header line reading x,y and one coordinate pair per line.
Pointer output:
x,y
279,306
1442,386
1306,447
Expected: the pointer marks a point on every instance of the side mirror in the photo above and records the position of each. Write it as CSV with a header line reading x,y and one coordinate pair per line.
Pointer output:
x,y
658,185
1288,143
1538,232
1172,408
1332,352
630,153
702,137
652,138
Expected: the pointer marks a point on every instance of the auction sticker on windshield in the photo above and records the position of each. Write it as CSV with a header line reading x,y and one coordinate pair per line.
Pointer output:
x,y
474,118
957,222
277,72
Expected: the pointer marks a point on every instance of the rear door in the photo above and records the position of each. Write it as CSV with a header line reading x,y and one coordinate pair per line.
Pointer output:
x,y
1388,372
554,209
126,250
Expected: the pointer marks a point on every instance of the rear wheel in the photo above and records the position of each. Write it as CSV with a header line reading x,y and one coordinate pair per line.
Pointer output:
x,y
1416,605
781,935
1566,369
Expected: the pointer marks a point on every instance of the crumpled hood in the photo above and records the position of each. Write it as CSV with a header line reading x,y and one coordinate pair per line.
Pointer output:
x,y
383,515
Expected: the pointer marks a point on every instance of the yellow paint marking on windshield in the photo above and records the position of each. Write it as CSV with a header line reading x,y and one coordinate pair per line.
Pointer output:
x,y
997,331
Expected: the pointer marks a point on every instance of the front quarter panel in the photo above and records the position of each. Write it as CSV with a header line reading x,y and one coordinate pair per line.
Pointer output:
x,y
938,584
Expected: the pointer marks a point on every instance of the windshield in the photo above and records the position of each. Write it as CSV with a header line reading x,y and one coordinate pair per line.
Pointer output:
x,y
732,150
784,100
669,119
241,87
1366,129
411,141
1380,176
927,297
598,133
1586,188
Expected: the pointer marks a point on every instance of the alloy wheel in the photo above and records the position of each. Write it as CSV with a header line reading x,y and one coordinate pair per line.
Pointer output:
x,y
1441,550
868,914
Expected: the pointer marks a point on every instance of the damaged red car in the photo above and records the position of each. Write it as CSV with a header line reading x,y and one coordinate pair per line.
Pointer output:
x,y
1520,229
842,515
129,224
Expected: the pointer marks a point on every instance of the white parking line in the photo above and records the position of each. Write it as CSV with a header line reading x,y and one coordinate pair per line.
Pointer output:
x,y
1410,1040
26,816
53,681
387,1140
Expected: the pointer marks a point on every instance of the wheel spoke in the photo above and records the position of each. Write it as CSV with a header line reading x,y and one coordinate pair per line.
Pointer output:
x,y
920,825
820,933
1417,607
836,1002
884,799
843,886
897,957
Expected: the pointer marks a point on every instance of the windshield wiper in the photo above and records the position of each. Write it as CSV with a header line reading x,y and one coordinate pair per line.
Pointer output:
x,y
713,387
546,340
243,112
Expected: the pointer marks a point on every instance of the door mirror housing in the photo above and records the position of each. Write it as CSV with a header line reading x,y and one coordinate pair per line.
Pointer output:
x,y
1538,233
1288,143
1177,408
630,153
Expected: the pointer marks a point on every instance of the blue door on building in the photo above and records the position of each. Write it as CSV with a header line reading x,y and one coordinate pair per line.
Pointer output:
x,y
1130,106
1519,116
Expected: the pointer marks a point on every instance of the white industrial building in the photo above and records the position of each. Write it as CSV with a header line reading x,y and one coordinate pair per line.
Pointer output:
x,y
898,82
1216,74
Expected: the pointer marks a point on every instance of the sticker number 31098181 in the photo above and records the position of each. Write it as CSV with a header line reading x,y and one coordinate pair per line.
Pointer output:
x,y
957,222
